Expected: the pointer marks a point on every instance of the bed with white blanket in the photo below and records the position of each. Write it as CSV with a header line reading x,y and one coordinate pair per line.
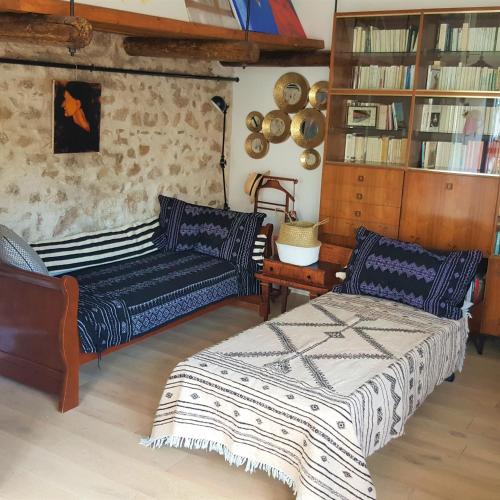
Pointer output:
x,y
309,395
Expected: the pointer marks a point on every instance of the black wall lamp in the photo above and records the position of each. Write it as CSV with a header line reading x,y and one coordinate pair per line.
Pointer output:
x,y
222,106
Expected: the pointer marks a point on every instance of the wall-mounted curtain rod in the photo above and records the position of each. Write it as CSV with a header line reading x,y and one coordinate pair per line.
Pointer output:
x,y
125,71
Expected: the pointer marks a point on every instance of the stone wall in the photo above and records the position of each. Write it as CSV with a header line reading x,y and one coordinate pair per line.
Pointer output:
x,y
158,135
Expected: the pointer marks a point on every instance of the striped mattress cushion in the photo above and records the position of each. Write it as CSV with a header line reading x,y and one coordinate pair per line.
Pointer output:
x,y
97,248
259,248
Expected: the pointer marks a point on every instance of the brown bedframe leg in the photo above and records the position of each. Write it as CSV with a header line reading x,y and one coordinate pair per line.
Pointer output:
x,y
70,348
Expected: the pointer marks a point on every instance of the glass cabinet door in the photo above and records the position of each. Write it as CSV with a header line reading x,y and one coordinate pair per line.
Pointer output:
x,y
460,52
457,134
370,130
375,52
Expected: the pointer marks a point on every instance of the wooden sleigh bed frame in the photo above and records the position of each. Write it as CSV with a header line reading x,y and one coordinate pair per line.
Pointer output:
x,y
39,340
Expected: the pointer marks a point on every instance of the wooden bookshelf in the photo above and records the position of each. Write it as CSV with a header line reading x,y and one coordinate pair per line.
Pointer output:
x,y
443,192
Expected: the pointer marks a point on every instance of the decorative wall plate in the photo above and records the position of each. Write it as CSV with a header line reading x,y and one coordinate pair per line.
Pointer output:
x,y
291,92
254,121
276,126
308,128
310,159
256,146
318,95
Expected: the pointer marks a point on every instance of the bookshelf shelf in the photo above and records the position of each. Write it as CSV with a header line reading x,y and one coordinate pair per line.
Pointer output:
x,y
371,92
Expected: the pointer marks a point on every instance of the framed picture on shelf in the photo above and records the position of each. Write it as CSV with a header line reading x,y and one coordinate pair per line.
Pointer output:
x,y
362,116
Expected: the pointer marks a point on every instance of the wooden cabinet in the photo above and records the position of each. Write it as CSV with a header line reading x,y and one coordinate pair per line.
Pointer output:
x,y
412,147
448,211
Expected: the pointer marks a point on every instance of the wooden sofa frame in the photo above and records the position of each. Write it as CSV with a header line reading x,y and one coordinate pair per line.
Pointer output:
x,y
39,342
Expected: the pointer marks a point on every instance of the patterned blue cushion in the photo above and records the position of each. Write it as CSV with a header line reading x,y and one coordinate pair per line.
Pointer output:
x,y
408,273
219,233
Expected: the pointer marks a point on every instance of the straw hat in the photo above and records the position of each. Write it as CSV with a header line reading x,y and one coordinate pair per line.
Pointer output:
x,y
300,234
253,182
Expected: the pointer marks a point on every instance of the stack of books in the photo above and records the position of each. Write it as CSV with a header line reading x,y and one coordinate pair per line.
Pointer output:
x,y
456,156
462,77
362,149
383,77
467,38
458,119
373,39
388,116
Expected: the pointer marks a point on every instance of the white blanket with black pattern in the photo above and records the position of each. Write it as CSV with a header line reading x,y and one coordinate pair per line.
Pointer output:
x,y
309,395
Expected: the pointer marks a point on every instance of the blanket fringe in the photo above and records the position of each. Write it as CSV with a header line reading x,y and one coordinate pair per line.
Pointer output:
x,y
207,445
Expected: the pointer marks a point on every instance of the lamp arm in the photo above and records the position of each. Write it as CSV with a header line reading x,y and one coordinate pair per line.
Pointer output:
x,y
223,161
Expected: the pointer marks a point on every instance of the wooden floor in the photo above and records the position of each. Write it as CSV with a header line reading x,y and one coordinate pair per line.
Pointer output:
x,y
451,448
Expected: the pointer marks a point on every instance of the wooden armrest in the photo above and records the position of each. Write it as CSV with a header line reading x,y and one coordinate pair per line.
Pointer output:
x,y
39,343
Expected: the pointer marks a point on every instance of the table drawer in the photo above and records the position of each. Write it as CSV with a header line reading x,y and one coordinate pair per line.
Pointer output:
x,y
309,274
365,212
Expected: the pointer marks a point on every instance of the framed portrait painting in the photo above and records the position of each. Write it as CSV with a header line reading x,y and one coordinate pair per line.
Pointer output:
x,y
77,117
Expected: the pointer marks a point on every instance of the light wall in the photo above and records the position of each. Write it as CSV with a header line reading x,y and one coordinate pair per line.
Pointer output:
x,y
255,92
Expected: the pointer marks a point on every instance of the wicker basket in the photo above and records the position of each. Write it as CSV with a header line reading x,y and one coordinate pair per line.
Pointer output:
x,y
300,234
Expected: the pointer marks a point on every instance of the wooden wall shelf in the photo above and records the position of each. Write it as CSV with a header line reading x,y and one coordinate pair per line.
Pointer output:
x,y
141,25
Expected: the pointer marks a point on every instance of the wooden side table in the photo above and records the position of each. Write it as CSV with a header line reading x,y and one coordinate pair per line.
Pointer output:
x,y
316,279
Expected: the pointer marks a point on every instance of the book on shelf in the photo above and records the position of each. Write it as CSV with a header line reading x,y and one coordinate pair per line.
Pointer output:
x,y
462,77
373,39
492,160
388,116
458,119
383,149
383,77
467,39
454,156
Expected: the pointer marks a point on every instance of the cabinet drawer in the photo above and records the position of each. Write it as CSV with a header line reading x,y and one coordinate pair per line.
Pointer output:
x,y
387,178
313,275
365,212
348,227
366,194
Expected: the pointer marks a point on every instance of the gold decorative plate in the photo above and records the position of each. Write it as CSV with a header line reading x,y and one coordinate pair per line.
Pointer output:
x,y
256,146
318,95
308,128
276,126
254,121
310,159
291,92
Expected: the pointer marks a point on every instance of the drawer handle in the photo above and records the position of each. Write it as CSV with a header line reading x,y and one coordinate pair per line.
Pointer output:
x,y
309,277
359,196
357,213
449,186
361,178
271,269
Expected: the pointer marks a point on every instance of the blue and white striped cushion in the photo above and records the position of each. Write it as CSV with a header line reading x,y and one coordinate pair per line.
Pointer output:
x,y
97,248
259,248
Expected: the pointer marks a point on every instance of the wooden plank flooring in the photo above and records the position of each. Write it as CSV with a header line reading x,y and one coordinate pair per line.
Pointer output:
x,y
451,449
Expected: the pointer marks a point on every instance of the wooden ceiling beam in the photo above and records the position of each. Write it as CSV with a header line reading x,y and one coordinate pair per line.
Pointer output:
x,y
59,31
211,50
288,59
141,25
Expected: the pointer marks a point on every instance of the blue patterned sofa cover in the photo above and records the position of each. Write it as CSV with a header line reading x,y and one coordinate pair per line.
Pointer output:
x,y
130,284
